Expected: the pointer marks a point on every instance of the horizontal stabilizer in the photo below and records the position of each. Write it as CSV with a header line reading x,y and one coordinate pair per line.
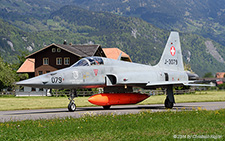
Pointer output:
x,y
200,85
167,83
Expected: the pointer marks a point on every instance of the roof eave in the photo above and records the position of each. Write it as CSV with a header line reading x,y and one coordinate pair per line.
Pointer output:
x,y
40,50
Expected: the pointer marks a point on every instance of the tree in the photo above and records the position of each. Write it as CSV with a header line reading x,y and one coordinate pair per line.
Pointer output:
x,y
21,59
187,67
208,75
7,75
221,86
16,66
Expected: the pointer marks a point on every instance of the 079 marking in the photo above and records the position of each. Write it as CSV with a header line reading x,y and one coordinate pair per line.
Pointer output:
x,y
56,79
171,61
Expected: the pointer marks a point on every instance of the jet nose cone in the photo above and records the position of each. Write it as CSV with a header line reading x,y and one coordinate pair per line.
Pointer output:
x,y
32,82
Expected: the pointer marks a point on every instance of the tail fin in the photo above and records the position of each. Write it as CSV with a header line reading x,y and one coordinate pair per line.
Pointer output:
x,y
172,55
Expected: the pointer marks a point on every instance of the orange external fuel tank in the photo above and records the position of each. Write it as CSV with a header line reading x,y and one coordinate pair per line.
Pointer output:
x,y
106,99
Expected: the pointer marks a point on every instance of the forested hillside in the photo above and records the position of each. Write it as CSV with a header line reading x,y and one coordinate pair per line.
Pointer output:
x,y
11,40
28,15
144,42
203,17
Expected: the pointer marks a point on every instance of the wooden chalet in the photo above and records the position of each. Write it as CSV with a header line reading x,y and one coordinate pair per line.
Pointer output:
x,y
57,56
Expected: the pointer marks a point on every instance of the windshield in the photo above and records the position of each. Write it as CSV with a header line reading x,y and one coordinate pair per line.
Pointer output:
x,y
89,61
92,61
82,62
99,61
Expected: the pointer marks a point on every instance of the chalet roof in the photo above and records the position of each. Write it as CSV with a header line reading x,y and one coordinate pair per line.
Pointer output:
x,y
27,66
114,53
220,74
78,50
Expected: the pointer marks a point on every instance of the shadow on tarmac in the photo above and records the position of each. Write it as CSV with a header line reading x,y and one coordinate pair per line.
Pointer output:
x,y
113,108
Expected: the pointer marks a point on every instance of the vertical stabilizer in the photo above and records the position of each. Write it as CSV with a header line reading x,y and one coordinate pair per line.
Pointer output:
x,y
172,55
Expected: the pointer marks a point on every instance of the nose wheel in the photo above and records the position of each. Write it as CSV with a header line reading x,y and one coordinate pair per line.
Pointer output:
x,y
72,106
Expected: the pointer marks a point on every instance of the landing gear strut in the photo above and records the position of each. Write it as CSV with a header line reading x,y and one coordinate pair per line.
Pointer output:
x,y
72,106
106,107
169,101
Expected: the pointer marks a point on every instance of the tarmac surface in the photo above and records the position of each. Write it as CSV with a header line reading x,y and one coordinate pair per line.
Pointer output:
x,y
19,115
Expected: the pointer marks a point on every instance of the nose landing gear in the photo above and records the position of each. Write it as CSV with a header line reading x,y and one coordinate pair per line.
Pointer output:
x,y
72,106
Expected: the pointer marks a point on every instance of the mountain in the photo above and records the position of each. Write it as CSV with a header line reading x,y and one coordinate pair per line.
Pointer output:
x,y
144,42
203,17
29,15
11,39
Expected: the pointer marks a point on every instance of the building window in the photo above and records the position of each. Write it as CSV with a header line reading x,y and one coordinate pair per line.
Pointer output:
x,y
45,61
40,72
58,61
58,49
66,61
47,71
53,50
33,89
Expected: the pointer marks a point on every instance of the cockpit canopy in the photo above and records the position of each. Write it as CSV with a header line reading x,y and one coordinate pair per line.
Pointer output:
x,y
89,61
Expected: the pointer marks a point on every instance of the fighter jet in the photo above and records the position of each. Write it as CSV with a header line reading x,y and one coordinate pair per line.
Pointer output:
x,y
118,78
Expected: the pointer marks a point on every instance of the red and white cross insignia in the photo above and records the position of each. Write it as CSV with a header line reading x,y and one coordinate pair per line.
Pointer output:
x,y
172,51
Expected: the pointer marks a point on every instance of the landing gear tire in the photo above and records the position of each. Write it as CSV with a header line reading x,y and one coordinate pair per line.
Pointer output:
x,y
106,107
168,104
72,107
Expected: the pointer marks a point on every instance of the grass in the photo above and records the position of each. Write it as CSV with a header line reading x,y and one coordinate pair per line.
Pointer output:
x,y
205,96
144,126
20,103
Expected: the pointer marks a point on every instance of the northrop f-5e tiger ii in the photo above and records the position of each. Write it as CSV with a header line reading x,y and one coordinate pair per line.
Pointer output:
x,y
118,78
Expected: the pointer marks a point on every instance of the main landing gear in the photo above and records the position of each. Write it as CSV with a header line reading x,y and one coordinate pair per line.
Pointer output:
x,y
72,106
168,104
169,101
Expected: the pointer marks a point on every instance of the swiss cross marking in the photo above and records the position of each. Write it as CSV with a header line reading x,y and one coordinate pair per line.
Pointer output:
x,y
172,51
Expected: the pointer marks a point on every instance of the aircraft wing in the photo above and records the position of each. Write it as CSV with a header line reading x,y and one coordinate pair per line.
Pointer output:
x,y
185,83
200,85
